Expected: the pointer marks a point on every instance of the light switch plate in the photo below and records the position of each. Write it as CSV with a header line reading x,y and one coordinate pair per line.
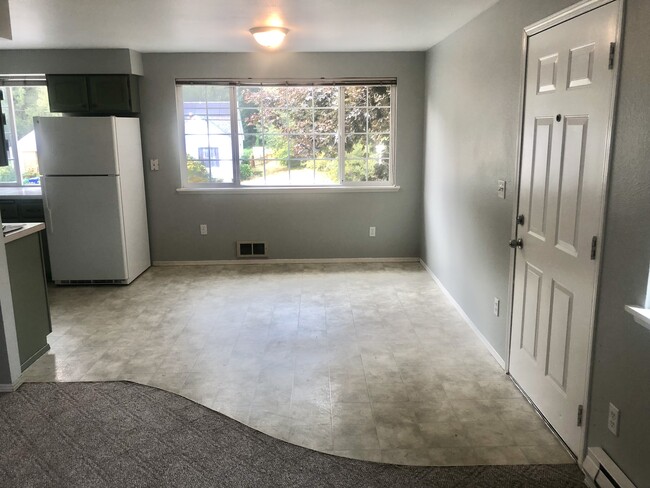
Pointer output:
x,y
613,419
501,189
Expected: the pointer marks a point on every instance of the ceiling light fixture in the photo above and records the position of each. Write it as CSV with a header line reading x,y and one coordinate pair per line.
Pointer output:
x,y
269,36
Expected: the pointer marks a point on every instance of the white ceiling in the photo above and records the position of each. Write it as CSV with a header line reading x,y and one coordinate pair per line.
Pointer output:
x,y
222,25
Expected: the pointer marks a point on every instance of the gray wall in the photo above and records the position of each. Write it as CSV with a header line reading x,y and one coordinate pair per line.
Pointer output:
x,y
621,372
319,225
472,95
70,61
472,114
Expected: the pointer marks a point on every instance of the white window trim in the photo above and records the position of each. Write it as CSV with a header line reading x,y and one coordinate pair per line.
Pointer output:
x,y
9,82
237,187
271,190
641,314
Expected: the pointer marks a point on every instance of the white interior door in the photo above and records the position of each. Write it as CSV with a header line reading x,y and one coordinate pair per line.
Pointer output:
x,y
569,87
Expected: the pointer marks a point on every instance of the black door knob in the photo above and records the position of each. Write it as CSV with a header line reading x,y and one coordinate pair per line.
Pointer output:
x,y
514,243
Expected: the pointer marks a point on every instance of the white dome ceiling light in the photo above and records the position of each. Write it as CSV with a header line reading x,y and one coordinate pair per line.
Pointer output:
x,y
269,36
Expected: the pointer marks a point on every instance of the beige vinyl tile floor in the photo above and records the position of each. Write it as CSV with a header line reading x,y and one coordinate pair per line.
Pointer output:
x,y
368,361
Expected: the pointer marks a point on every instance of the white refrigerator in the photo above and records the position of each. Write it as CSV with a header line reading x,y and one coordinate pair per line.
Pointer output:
x,y
93,193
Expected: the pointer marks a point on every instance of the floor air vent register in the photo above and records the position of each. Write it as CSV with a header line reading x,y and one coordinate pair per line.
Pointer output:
x,y
251,249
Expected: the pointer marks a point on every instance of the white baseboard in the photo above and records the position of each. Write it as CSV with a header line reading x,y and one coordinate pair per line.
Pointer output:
x,y
466,318
218,262
8,387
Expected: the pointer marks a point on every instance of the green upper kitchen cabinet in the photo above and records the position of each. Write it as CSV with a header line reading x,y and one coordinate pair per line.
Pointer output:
x,y
94,94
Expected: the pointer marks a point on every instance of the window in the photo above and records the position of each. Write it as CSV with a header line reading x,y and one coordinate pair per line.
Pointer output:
x,y
291,135
20,104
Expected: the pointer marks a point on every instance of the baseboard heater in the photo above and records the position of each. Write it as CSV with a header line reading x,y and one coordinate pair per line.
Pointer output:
x,y
251,249
91,282
603,472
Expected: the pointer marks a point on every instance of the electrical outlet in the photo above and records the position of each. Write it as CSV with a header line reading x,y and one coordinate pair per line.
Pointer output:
x,y
497,304
155,166
204,229
501,188
373,231
613,419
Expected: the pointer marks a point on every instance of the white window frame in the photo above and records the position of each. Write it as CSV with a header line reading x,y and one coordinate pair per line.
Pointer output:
x,y
8,83
236,185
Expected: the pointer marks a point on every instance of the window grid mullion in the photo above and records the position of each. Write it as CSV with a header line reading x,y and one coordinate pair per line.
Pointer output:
x,y
234,136
342,136
13,140
313,132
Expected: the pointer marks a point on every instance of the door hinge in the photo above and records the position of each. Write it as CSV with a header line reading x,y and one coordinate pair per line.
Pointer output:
x,y
612,54
580,410
594,246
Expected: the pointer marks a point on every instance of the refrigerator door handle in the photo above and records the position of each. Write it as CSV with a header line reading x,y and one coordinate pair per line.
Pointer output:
x,y
47,206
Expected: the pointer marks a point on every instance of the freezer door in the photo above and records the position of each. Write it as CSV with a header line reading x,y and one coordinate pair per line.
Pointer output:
x,y
70,146
85,231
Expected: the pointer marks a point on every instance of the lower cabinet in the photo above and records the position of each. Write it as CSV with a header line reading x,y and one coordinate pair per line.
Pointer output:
x,y
29,296
19,210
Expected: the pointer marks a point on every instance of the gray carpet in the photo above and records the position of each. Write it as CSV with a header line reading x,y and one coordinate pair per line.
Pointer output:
x,y
125,434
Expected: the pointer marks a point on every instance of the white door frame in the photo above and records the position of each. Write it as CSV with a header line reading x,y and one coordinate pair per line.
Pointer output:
x,y
545,24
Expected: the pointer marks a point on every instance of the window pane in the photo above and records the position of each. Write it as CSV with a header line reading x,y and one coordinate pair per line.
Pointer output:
x,y
355,170
221,172
379,120
277,172
302,172
299,96
8,173
301,121
356,146
251,172
356,120
197,172
326,121
327,172
272,97
379,96
326,147
356,96
302,146
276,146
379,146
326,96
207,126
378,170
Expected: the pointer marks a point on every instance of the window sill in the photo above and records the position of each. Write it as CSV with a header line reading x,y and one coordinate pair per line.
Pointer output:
x,y
641,315
273,190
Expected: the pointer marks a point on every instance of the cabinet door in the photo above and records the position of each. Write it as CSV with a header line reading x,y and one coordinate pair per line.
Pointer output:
x,y
67,93
29,296
110,94
9,211
31,211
